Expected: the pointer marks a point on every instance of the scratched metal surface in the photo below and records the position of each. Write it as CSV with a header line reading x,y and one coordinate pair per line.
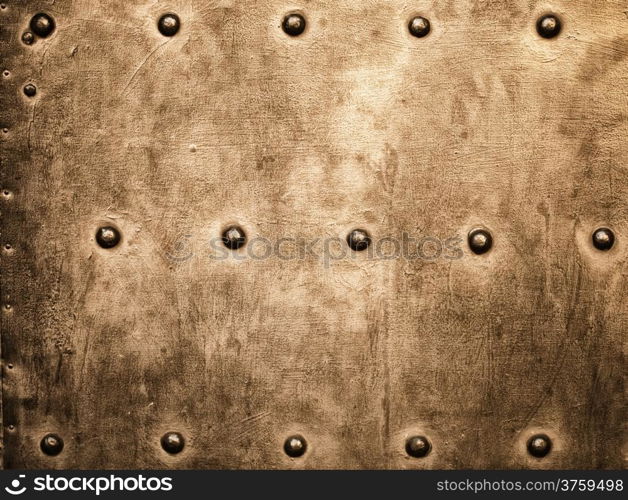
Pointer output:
x,y
353,124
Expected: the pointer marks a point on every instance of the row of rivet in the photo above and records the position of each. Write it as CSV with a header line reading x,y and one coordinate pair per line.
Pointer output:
x,y
42,25
295,446
480,240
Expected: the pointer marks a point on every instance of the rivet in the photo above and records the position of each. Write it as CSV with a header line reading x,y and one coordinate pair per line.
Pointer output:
x,y
42,25
418,446
603,238
169,24
358,240
293,24
8,307
233,237
107,236
419,26
28,38
480,241
539,445
10,366
8,246
51,444
295,446
5,130
548,26
172,442
30,90
11,427
6,73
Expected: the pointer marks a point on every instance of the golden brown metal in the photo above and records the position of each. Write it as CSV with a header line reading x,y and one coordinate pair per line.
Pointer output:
x,y
355,123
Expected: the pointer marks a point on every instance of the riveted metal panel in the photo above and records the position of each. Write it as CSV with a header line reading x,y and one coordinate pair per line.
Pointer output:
x,y
138,143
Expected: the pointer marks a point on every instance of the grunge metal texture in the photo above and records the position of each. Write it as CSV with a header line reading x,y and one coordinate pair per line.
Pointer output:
x,y
353,123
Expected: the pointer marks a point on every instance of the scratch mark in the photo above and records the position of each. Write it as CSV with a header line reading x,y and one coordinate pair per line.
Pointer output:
x,y
144,61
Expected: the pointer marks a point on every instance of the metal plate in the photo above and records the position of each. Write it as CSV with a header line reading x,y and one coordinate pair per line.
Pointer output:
x,y
353,124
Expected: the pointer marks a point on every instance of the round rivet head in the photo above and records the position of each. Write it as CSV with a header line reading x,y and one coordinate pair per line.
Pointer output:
x,y
419,26
233,237
51,444
548,26
480,241
42,25
293,24
603,238
28,38
107,236
418,446
169,24
295,446
30,90
358,240
172,442
539,445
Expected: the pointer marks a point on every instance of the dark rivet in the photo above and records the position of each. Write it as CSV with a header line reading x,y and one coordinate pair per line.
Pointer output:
x,y
51,444
539,445
418,446
233,237
28,38
30,90
480,241
603,238
6,73
358,240
10,366
548,26
293,24
419,26
172,442
42,25
169,24
295,446
107,236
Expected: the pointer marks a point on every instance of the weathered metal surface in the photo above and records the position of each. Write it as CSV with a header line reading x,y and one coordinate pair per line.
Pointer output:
x,y
154,353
